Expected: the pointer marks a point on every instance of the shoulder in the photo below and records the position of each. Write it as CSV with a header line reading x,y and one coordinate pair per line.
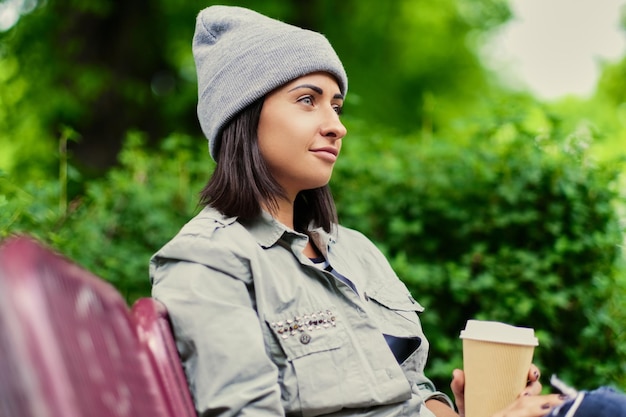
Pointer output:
x,y
354,245
381,281
208,236
351,238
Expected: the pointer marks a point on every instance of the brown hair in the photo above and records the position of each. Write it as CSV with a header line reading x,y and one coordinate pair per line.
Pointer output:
x,y
242,181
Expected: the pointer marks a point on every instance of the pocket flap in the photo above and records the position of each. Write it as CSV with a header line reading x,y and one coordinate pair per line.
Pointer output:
x,y
304,333
395,298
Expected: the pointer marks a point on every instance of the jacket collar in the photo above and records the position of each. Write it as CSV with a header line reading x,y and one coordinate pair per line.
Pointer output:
x,y
268,231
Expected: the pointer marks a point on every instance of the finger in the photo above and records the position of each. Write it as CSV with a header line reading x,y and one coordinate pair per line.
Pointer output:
x,y
533,374
458,382
531,406
533,388
548,403
458,389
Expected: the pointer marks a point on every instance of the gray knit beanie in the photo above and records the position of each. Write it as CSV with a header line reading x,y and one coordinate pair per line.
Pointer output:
x,y
242,55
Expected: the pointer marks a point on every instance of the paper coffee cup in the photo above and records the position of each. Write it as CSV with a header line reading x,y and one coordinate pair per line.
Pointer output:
x,y
496,360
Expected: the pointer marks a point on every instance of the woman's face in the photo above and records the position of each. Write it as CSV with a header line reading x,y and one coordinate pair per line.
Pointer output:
x,y
300,132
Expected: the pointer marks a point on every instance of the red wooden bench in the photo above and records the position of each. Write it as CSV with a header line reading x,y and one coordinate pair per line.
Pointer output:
x,y
71,347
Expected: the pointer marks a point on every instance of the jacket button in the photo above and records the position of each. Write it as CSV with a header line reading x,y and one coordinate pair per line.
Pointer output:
x,y
305,338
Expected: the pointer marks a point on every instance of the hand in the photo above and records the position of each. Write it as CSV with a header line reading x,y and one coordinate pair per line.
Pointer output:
x,y
530,403
533,388
531,406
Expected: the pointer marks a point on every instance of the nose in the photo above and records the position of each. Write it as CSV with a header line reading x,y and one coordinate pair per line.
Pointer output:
x,y
332,126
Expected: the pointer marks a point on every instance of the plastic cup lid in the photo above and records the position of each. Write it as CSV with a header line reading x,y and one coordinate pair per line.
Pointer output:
x,y
493,331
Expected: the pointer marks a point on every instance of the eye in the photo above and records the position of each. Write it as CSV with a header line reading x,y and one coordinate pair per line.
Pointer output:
x,y
308,100
338,109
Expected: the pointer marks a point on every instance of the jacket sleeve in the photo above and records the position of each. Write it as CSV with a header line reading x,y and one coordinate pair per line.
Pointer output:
x,y
218,336
427,391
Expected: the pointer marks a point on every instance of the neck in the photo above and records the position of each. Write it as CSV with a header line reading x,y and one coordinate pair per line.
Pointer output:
x,y
283,212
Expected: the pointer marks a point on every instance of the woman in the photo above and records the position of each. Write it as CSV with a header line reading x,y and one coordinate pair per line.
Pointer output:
x,y
278,310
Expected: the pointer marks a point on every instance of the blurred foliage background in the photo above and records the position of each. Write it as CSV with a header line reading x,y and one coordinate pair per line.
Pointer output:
x,y
489,202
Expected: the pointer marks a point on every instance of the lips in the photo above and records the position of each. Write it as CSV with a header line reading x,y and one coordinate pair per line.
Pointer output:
x,y
328,149
327,153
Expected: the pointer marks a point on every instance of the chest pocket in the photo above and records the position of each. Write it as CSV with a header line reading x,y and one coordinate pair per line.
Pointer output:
x,y
396,313
310,369
395,310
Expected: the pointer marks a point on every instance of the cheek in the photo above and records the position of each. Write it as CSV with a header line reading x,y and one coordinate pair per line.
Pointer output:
x,y
268,142
282,140
280,143
273,152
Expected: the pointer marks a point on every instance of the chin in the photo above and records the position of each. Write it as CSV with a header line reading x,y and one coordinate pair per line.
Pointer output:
x,y
315,185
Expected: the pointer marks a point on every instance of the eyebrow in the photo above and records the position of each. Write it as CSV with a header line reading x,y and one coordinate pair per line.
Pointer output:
x,y
316,89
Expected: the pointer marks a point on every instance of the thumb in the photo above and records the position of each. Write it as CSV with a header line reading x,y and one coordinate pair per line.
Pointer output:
x,y
458,389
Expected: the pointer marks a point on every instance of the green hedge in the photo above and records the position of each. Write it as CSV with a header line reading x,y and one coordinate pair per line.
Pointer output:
x,y
112,225
507,228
